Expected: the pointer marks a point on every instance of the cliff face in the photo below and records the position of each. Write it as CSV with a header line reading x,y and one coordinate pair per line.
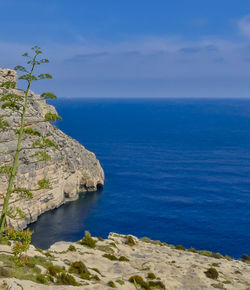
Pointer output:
x,y
71,169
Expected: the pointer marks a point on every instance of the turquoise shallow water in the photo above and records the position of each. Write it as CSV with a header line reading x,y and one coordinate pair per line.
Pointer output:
x,y
176,170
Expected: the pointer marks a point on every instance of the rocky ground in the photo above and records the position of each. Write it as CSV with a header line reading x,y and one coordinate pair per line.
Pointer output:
x,y
122,262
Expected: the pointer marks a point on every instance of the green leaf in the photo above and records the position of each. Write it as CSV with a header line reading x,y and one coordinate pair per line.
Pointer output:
x,y
44,76
20,68
50,117
44,60
15,213
48,95
42,156
12,98
28,77
3,124
11,105
23,192
44,143
44,184
8,85
6,170
31,131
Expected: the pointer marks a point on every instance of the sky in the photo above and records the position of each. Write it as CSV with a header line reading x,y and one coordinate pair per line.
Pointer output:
x,y
133,48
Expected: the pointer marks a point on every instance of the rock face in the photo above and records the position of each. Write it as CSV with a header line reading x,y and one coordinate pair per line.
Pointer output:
x,y
71,169
115,260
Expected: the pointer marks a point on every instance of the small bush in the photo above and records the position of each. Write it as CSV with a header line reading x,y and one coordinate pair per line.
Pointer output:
x,y
88,240
216,264
245,258
192,250
130,241
123,259
97,271
139,280
85,276
151,276
110,257
217,256
111,284
156,284
72,248
67,279
121,282
212,273
180,247
41,279
47,254
8,85
78,268
100,239
106,249
55,269
146,240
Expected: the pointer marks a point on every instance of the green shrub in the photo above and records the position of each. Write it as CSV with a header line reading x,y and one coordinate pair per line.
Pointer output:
x,y
146,240
123,259
156,285
8,85
121,282
180,247
47,254
100,239
78,268
245,258
110,257
212,273
217,256
55,269
139,280
85,276
192,250
129,241
41,279
111,284
88,240
106,249
39,250
72,248
151,276
67,279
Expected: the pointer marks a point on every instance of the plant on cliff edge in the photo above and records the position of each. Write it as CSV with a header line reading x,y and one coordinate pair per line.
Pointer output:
x,y
19,104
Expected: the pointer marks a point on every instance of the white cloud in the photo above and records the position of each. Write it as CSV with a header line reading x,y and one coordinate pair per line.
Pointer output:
x,y
150,65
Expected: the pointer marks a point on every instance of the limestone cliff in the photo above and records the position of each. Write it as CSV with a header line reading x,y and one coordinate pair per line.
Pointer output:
x,y
71,169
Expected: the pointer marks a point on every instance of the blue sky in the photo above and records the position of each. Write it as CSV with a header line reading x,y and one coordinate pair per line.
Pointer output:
x,y
139,48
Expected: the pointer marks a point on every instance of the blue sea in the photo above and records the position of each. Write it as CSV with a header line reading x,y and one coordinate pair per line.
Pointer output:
x,y
176,171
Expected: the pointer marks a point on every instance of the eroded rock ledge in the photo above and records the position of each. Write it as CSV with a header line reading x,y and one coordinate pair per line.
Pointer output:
x,y
71,169
117,262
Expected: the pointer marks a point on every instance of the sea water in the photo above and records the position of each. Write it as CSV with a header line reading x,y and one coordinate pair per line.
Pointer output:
x,y
176,171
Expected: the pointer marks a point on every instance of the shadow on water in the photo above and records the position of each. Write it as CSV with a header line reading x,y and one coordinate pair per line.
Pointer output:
x,y
66,222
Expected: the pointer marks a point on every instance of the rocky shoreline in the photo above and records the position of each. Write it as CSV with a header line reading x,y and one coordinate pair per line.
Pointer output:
x,y
72,167
122,262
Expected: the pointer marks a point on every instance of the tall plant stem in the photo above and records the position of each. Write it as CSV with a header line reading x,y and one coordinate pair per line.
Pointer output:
x,y
16,158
